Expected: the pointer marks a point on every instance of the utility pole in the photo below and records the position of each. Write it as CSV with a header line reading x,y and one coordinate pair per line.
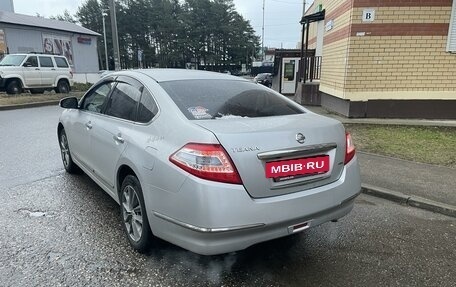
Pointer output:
x,y
115,37
303,8
303,60
262,35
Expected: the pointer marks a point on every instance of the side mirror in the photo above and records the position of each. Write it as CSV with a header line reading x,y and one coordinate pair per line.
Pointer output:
x,y
69,103
27,64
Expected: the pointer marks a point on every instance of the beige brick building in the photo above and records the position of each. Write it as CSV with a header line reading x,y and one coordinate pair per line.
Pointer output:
x,y
387,58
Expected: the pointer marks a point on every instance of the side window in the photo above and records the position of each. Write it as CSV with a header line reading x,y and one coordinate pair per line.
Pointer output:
x,y
46,62
95,99
123,101
61,62
31,62
147,107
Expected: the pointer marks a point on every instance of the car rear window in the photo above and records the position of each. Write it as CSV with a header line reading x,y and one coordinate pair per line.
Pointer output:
x,y
214,99
61,62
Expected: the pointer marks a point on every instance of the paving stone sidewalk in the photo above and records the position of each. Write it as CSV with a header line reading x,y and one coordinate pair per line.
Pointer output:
x,y
417,184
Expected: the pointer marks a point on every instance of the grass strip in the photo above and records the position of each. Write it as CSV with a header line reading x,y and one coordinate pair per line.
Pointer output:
x,y
434,145
26,98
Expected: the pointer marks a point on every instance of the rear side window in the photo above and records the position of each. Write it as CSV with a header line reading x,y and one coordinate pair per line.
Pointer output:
x,y
46,62
123,102
147,107
61,62
212,99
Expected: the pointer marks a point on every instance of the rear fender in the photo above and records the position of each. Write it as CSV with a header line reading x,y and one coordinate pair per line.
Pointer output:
x,y
62,78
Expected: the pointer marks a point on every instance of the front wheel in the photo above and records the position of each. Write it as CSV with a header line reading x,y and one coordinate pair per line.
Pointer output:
x,y
14,87
68,162
133,212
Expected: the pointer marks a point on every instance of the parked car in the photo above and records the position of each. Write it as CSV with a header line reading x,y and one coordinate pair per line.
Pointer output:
x,y
264,79
210,162
35,72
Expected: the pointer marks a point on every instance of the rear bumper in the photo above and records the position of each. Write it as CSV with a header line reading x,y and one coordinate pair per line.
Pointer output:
x,y
211,218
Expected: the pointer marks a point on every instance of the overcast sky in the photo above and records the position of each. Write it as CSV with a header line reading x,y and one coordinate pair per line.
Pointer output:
x,y
281,16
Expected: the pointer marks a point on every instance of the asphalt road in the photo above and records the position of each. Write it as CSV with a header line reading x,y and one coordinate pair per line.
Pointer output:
x,y
28,145
63,230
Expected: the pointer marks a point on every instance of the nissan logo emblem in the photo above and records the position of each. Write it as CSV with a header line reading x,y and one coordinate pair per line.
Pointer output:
x,y
300,138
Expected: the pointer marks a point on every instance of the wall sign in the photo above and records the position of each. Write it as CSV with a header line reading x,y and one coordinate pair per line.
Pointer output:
x,y
3,48
58,45
84,40
329,25
368,15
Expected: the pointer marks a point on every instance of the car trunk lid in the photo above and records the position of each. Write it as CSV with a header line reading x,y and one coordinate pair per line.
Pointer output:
x,y
280,155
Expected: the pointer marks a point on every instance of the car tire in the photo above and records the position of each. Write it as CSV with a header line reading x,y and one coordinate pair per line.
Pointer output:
x,y
62,87
67,161
14,87
133,214
36,91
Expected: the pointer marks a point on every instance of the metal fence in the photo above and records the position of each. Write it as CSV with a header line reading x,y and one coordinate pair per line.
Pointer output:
x,y
312,69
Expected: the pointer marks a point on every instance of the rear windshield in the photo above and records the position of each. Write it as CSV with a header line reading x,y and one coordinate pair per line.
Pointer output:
x,y
215,99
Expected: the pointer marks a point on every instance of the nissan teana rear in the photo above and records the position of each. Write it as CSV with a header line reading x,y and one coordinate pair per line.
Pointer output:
x,y
210,162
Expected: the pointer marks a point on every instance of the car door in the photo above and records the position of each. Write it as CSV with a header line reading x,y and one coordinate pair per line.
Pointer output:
x,y
32,73
112,130
80,127
47,71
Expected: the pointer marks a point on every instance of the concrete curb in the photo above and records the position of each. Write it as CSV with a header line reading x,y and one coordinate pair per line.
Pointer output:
x,y
410,200
29,105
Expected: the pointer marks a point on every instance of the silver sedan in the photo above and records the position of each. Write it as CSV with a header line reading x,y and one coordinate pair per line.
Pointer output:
x,y
207,161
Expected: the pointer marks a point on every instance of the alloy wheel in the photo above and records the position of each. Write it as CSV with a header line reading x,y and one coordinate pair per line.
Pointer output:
x,y
132,213
64,150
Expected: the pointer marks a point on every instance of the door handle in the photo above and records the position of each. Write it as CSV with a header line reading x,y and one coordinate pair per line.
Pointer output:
x,y
37,68
89,125
118,138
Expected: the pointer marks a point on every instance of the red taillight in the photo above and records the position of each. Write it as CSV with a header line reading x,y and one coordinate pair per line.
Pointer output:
x,y
349,148
207,161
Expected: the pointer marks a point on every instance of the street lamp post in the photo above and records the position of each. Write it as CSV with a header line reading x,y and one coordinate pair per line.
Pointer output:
x,y
262,36
104,14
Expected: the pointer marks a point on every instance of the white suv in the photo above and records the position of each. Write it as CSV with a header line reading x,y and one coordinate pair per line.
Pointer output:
x,y
35,72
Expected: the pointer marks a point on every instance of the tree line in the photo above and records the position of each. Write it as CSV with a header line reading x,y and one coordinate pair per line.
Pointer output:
x,y
209,34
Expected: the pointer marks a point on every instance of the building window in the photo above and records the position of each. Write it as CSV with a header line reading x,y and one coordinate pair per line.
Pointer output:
x,y
451,46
